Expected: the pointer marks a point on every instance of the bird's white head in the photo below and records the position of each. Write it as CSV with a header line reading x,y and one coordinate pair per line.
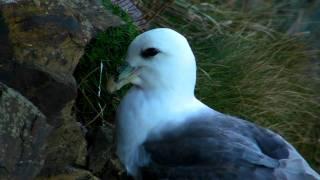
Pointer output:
x,y
160,60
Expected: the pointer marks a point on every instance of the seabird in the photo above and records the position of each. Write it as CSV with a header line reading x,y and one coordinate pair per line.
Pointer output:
x,y
165,132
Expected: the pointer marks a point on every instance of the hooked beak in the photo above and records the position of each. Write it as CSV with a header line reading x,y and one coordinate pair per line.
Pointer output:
x,y
126,76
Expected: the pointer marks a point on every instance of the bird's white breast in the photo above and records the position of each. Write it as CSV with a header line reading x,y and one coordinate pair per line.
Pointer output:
x,y
140,113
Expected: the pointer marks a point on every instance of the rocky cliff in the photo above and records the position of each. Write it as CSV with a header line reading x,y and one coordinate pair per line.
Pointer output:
x,y
41,43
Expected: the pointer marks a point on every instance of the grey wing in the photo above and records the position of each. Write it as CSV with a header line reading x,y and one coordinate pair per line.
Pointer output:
x,y
219,148
204,150
292,164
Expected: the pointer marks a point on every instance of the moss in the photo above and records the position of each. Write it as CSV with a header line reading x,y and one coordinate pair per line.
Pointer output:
x,y
108,48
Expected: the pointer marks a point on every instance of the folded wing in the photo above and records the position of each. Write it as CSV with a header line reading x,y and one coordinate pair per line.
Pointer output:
x,y
222,147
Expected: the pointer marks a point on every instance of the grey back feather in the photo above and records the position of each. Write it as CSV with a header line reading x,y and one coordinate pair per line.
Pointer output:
x,y
214,146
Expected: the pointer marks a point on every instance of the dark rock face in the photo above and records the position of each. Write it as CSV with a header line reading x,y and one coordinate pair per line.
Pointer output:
x,y
5,47
102,160
23,131
72,174
37,86
100,151
41,43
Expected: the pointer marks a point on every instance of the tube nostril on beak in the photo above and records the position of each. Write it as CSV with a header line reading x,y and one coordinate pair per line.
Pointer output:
x,y
126,75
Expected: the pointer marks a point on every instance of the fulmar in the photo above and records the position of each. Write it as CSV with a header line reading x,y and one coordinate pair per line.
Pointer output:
x,y
165,132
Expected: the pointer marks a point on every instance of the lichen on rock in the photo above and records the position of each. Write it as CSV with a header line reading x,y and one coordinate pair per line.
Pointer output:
x,y
23,133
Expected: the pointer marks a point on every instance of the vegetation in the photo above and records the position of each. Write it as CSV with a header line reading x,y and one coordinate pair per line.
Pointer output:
x,y
102,59
247,67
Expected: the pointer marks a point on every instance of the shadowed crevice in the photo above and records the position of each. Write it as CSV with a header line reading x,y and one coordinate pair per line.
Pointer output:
x,y
6,51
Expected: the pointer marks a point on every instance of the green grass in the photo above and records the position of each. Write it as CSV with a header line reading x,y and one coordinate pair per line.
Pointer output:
x,y
109,49
247,67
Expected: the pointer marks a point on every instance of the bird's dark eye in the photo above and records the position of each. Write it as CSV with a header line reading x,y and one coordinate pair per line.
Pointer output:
x,y
150,52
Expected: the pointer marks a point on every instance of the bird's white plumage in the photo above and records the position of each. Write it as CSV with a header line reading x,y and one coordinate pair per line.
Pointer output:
x,y
163,96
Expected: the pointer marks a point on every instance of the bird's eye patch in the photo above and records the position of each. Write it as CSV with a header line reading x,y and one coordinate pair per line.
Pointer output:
x,y
149,52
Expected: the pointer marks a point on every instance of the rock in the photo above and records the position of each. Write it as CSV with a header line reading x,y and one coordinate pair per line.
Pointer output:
x,y
100,151
45,43
23,133
67,147
102,160
41,44
71,174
